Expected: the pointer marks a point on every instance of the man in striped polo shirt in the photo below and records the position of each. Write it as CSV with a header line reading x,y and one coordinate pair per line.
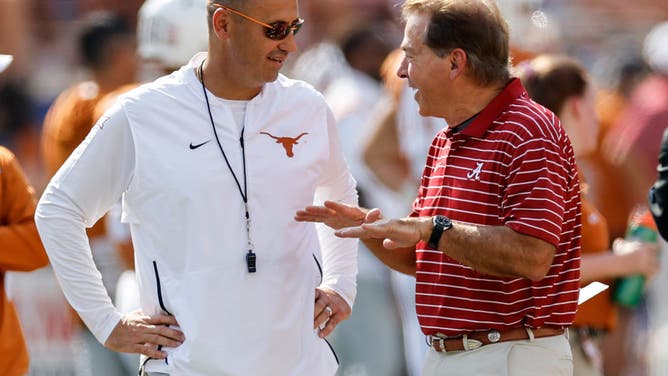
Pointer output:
x,y
494,236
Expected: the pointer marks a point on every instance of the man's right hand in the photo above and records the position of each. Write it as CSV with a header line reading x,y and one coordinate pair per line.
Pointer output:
x,y
142,334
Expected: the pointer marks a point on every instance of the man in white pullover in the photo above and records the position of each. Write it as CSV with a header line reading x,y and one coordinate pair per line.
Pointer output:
x,y
211,162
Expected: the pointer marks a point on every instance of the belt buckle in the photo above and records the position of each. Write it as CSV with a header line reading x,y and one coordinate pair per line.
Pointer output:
x,y
493,336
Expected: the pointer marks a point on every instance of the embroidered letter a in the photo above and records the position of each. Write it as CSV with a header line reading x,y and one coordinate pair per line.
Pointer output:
x,y
475,173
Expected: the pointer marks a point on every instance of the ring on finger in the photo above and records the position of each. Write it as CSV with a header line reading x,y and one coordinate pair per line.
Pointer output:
x,y
329,310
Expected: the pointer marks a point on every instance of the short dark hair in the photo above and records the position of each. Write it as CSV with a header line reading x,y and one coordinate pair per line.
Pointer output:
x,y
99,30
551,79
476,27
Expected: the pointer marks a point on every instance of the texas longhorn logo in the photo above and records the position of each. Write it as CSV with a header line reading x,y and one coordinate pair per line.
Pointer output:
x,y
287,142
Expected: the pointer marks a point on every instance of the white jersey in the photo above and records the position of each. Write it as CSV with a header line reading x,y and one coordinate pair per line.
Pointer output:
x,y
156,147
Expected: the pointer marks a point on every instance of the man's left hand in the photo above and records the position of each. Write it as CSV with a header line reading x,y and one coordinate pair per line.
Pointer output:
x,y
395,233
330,309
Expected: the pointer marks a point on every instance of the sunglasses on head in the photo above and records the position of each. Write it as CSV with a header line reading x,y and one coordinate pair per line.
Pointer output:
x,y
278,30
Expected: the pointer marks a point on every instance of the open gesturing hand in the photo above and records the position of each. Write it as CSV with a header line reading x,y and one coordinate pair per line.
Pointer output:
x,y
142,334
395,233
337,215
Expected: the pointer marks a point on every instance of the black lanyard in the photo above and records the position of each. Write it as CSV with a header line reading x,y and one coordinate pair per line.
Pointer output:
x,y
251,258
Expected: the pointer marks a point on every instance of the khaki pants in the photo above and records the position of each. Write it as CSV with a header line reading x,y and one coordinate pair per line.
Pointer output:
x,y
542,356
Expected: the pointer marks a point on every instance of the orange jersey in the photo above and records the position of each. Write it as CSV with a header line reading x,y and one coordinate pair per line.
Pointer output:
x,y
20,250
598,312
613,199
67,123
107,100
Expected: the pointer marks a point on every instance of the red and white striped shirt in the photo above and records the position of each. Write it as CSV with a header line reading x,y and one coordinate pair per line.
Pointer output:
x,y
513,165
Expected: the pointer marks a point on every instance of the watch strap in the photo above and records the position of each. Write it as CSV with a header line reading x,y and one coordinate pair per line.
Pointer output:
x,y
441,223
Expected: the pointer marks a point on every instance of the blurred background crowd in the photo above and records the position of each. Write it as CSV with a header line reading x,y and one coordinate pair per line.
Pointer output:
x,y
346,52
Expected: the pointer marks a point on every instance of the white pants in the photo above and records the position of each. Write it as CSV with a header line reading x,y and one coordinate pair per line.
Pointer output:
x,y
542,356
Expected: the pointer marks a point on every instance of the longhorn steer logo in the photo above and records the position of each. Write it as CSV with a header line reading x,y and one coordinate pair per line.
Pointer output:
x,y
287,142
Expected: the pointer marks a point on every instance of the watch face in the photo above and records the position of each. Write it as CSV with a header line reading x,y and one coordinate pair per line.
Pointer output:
x,y
443,221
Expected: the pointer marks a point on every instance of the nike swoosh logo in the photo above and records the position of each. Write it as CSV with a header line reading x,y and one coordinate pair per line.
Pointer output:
x,y
193,147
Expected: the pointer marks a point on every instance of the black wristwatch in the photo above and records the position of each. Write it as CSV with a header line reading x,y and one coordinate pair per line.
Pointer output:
x,y
441,224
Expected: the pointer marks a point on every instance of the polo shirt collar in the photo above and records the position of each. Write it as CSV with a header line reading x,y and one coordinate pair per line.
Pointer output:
x,y
500,103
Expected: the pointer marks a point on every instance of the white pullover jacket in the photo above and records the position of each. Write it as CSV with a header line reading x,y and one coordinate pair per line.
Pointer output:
x,y
188,225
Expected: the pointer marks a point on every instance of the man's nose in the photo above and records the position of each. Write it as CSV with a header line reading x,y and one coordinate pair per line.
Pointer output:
x,y
402,71
289,44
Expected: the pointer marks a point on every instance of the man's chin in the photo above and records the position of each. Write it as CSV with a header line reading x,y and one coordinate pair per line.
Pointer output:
x,y
271,77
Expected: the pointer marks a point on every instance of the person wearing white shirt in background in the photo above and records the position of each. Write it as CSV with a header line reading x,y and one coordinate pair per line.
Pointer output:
x,y
211,162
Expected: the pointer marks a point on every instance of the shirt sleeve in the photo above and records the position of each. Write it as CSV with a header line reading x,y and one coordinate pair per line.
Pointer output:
x,y
20,247
539,186
339,254
89,183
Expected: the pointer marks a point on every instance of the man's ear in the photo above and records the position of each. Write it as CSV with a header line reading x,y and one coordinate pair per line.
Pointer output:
x,y
220,21
457,60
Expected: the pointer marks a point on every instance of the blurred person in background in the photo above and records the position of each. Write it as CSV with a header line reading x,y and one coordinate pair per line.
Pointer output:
x,y
395,152
107,48
355,92
496,286
562,85
331,16
204,160
633,142
333,20
613,200
632,146
19,124
20,250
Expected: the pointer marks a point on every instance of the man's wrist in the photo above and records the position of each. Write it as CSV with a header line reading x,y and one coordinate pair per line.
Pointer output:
x,y
426,227
440,224
342,294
